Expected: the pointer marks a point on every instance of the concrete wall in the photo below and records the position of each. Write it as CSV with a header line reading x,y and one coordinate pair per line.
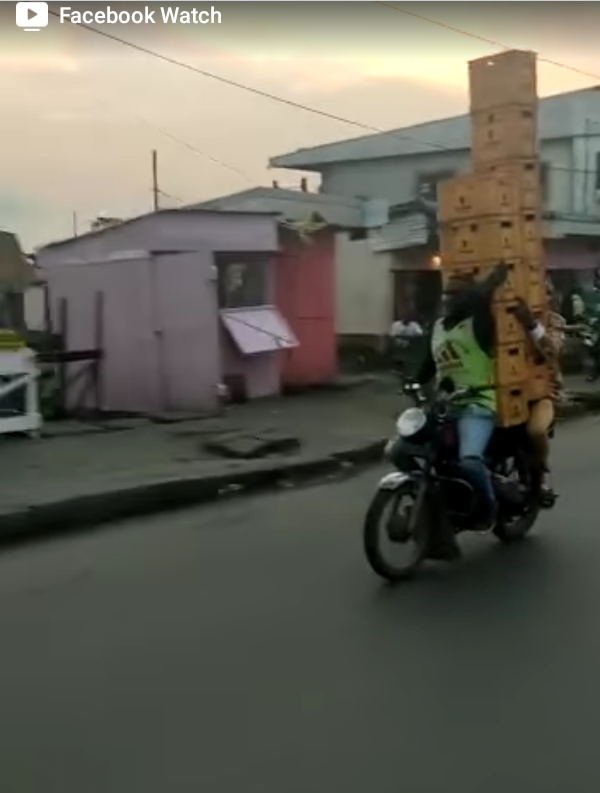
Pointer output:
x,y
364,295
397,179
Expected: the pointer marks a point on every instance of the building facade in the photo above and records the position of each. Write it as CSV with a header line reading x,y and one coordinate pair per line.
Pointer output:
x,y
187,305
360,278
400,165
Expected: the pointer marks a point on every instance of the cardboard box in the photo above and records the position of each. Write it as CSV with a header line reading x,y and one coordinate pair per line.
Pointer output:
x,y
501,238
512,406
527,173
503,134
508,328
505,78
481,195
511,364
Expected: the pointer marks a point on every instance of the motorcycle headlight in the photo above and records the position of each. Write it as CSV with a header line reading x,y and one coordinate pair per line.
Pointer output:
x,y
411,422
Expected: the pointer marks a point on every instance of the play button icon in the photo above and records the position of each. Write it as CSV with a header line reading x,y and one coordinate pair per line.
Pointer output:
x,y
32,16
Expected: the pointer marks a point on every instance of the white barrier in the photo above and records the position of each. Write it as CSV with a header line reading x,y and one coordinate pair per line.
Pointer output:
x,y
18,372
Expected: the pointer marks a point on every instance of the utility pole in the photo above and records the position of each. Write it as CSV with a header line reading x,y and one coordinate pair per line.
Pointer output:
x,y
74,224
155,179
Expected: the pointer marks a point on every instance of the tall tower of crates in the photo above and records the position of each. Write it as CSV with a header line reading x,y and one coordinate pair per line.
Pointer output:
x,y
493,215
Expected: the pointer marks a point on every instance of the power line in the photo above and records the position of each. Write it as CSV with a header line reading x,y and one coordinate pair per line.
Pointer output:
x,y
477,37
172,197
249,89
161,130
189,146
316,111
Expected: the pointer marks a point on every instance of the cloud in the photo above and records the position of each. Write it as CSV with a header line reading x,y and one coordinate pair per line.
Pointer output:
x,y
62,117
27,64
82,114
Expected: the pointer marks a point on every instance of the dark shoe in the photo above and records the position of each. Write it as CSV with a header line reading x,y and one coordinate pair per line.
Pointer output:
x,y
443,546
489,524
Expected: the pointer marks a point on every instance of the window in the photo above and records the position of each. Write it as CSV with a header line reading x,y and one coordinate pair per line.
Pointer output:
x,y
545,181
427,183
597,179
242,280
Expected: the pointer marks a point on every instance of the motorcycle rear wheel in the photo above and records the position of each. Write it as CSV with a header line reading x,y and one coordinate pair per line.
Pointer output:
x,y
375,527
515,530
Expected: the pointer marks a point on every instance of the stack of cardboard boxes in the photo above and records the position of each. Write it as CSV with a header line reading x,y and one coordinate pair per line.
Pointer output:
x,y
493,215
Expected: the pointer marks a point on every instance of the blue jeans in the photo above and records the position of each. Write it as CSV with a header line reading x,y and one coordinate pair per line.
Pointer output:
x,y
475,429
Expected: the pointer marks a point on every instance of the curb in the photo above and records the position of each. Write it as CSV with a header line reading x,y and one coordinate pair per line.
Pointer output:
x,y
95,509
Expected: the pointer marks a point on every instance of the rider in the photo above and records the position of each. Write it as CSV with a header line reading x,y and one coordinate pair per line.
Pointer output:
x,y
548,343
461,354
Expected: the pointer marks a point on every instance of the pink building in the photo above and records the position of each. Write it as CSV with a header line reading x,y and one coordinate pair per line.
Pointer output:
x,y
189,302
304,276
305,294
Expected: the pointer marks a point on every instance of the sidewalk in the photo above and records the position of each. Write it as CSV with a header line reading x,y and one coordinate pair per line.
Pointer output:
x,y
84,473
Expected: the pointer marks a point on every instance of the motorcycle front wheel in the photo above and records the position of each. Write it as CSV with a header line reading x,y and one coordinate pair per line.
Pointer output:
x,y
389,532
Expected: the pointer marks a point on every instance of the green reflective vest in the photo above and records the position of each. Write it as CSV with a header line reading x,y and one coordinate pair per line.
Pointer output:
x,y
457,355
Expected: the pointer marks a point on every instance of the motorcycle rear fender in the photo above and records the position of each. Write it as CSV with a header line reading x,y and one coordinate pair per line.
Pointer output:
x,y
393,481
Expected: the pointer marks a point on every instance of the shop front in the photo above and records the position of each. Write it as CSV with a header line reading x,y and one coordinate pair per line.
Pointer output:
x,y
417,284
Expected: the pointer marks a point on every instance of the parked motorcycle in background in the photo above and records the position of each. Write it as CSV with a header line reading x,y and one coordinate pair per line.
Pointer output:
x,y
429,485
405,338
590,337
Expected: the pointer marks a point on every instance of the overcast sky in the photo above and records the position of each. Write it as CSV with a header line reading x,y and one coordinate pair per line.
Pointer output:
x,y
80,113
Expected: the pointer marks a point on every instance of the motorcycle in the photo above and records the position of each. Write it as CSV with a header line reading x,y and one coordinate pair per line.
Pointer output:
x,y
429,485
590,337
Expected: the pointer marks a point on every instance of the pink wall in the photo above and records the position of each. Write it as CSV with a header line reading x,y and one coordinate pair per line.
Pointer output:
x,y
160,328
305,295
570,254
261,373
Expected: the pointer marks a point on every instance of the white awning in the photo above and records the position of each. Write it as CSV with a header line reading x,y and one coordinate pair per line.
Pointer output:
x,y
258,330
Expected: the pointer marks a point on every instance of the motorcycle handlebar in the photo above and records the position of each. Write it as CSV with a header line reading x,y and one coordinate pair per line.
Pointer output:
x,y
449,398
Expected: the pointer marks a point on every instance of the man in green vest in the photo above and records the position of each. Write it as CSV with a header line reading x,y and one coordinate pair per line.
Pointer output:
x,y
460,355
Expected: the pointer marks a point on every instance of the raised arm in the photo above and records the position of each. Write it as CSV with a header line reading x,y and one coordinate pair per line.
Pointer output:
x,y
485,289
427,370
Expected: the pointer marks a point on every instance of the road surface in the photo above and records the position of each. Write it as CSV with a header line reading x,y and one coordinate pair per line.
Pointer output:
x,y
247,648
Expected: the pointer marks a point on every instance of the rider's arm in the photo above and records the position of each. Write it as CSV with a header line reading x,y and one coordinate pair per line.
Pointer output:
x,y
484,325
427,370
483,292
484,328
547,341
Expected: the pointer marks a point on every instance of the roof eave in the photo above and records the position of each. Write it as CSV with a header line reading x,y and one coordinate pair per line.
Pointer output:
x,y
289,162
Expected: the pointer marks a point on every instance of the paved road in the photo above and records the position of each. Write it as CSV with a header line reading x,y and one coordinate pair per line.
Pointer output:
x,y
247,648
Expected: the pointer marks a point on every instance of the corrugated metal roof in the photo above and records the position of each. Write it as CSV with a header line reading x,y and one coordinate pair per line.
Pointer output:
x,y
409,231
293,205
131,221
558,118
